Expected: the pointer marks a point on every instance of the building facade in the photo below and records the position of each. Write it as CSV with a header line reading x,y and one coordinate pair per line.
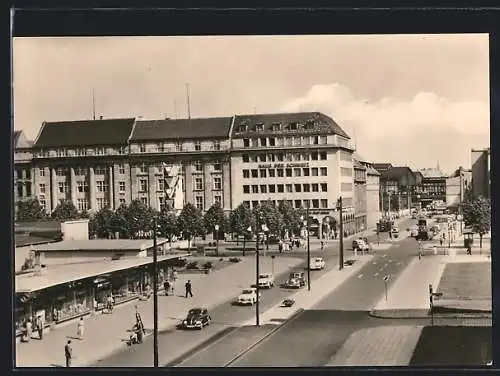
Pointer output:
x,y
456,186
23,170
480,166
433,188
397,185
304,158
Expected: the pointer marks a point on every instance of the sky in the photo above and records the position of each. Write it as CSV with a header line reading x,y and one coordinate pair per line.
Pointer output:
x,y
414,100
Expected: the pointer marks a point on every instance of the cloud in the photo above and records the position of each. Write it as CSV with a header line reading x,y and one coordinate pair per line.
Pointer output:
x,y
397,123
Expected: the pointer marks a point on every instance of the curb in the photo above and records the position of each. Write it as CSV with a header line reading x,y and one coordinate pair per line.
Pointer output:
x,y
424,314
267,335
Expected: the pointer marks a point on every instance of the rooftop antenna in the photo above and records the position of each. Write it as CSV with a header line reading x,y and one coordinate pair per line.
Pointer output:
x,y
93,103
188,103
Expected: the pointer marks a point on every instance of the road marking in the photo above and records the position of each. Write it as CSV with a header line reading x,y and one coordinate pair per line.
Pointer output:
x,y
376,274
398,263
374,263
389,260
360,276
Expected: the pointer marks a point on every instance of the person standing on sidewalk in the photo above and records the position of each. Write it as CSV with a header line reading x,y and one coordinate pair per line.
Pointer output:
x,y
80,329
166,287
39,327
68,353
188,289
29,330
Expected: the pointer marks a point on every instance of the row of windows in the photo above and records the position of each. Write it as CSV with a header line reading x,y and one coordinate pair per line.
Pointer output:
x,y
285,188
314,204
282,157
179,146
284,172
24,188
22,173
65,152
284,141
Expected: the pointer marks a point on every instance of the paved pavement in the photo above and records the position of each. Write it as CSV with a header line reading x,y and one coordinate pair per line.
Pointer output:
x,y
379,346
228,283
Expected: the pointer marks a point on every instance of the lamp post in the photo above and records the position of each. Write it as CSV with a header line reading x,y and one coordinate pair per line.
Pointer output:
x,y
216,240
155,291
257,273
306,224
341,230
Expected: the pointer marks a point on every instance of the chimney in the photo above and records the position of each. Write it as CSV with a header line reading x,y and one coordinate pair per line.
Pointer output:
x,y
100,117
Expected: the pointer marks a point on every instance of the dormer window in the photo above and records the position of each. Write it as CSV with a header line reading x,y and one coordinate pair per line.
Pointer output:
x,y
259,127
309,124
292,126
276,127
243,127
100,151
197,146
142,148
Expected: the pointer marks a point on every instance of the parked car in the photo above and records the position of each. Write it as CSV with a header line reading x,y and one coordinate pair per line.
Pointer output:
x,y
413,231
266,280
196,318
317,263
248,296
395,231
360,244
296,280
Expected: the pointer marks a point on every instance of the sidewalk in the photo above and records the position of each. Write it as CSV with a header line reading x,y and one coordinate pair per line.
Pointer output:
x,y
305,299
106,333
411,290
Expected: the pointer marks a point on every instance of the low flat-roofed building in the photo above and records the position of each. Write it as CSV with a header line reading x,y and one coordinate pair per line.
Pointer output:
x,y
77,251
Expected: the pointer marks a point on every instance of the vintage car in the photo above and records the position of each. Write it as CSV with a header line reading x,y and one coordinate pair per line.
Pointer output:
x,y
248,296
317,263
196,318
360,244
296,280
266,280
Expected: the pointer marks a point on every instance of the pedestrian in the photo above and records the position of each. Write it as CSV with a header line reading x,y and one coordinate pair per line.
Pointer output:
x,y
322,243
28,330
469,250
39,327
188,289
80,328
370,247
280,246
68,353
110,302
441,241
166,286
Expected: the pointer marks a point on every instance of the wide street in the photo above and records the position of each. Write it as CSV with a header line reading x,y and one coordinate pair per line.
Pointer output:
x,y
357,293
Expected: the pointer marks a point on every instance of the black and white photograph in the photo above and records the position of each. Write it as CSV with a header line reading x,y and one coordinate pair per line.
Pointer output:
x,y
252,201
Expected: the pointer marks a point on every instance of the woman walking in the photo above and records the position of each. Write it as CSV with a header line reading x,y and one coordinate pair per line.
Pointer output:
x,y
80,328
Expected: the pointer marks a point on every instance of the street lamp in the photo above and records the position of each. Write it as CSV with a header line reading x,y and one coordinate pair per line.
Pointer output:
x,y
341,229
306,224
217,240
257,271
155,291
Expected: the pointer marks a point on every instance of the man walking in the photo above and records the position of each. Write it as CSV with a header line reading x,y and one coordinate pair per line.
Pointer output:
x,y
68,353
166,287
188,289
39,327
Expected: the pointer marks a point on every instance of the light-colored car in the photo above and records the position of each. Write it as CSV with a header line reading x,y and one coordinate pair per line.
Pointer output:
x,y
317,263
248,296
413,231
266,280
360,244
293,283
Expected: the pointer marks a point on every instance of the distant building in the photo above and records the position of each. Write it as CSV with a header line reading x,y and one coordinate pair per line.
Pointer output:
x,y
397,184
366,193
23,172
480,166
433,186
456,185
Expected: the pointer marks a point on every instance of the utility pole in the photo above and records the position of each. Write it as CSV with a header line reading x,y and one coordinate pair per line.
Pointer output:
x,y
308,251
155,294
188,102
341,225
257,273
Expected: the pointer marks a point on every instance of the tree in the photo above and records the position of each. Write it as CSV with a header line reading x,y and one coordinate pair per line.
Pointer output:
x,y
290,217
215,216
190,222
100,224
167,222
120,223
240,220
138,218
30,210
477,215
270,216
65,211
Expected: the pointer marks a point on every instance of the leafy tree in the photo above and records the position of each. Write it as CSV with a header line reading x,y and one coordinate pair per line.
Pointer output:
x,y
290,217
120,223
65,211
167,222
215,216
240,220
30,210
138,217
477,215
190,222
100,223
270,216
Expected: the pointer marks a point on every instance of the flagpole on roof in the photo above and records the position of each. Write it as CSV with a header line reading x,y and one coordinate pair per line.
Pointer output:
x,y
93,103
188,103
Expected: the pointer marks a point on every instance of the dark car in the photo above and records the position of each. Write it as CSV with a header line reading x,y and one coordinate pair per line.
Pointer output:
x,y
197,318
